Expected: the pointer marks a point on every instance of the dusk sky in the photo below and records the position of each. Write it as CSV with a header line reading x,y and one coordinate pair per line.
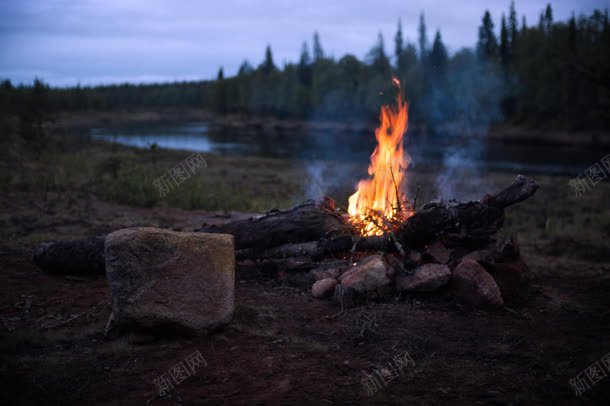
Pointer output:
x,y
93,42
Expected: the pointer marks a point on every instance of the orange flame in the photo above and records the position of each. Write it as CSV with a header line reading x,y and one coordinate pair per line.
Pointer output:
x,y
378,202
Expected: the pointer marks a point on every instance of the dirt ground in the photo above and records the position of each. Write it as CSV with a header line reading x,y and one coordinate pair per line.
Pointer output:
x,y
283,346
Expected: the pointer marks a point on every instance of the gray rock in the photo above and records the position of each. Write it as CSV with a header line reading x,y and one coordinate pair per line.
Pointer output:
x,y
323,288
426,278
471,283
369,274
163,279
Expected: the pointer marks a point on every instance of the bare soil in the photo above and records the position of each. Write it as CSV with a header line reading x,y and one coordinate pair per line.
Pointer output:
x,y
283,346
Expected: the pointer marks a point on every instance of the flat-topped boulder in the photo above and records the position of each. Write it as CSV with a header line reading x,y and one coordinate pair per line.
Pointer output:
x,y
164,280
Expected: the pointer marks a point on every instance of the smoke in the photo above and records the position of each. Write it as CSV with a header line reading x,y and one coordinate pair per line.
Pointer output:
x,y
476,92
316,184
459,108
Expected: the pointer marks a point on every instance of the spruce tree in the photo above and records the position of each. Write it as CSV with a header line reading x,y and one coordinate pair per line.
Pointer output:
x,y
439,59
487,46
398,44
422,39
318,53
504,44
513,29
268,66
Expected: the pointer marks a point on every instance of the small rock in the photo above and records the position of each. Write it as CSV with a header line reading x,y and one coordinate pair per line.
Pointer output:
x,y
471,283
437,252
323,288
368,274
426,278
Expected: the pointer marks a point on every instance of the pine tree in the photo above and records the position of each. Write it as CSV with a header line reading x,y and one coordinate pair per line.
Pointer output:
x,y
220,75
318,53
513,30
305,59
304,67
268,66
398,44
548,19
504,44
377,56
245,69
487,46
439,59
423,40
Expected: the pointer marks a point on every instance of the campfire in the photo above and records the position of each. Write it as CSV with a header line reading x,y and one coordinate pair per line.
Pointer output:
x,y
384,245
378,204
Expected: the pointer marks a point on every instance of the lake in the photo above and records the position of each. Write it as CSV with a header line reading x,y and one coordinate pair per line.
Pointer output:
x,y
357,147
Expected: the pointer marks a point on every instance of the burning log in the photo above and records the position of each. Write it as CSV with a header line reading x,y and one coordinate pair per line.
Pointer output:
x,y
466,223
469,224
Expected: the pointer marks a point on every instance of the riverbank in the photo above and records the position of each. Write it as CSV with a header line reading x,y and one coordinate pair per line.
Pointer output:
x,y
521,135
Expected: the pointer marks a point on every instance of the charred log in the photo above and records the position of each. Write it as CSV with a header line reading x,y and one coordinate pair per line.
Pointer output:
x,y
467,224
311,221
319,249
80,257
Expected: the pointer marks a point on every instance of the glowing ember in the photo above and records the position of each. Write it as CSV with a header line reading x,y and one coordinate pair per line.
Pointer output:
x,y
378,204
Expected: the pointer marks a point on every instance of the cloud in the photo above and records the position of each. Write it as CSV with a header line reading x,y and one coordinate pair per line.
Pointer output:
x,y
64,41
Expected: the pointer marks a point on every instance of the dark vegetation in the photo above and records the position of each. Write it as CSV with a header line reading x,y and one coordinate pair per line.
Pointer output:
x,y
553,75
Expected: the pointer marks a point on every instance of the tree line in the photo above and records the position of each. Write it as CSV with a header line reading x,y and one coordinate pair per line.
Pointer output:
x,y
552,74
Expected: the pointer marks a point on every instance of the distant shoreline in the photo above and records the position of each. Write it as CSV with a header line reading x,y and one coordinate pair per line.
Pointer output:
x,y
500,133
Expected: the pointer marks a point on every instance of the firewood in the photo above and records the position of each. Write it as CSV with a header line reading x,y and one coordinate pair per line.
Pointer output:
x,y
311,221
319,249
317,230
81,257
464,223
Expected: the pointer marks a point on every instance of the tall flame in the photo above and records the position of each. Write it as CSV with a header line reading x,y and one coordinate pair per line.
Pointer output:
x,y
378,201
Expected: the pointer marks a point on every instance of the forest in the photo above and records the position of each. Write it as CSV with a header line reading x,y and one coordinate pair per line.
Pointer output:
x,y
551,75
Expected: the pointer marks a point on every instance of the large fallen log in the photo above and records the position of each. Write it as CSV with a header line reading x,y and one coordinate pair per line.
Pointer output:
x,y
311,221
464,223
469,224
76,257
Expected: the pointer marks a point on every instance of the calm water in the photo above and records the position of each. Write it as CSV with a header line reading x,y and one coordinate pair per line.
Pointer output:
x,y
200,136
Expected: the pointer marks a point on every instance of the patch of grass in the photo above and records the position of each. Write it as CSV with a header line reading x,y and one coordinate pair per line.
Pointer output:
x,y
125,175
